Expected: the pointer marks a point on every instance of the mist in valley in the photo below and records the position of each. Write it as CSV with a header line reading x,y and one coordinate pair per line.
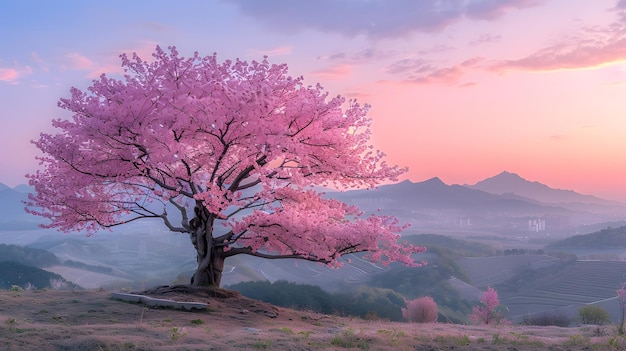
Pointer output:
x,y
504,232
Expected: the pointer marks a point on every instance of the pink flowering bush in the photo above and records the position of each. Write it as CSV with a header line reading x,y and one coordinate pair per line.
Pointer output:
x,y
621,295
487,312
421,310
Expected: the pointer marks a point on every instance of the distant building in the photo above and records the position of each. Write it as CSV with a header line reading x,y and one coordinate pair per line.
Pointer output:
x,y
536,225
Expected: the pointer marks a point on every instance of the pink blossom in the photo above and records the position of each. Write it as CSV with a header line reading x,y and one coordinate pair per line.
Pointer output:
x,y
234,143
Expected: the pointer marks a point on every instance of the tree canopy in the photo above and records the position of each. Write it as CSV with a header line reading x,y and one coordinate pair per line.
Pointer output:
x,y
227,152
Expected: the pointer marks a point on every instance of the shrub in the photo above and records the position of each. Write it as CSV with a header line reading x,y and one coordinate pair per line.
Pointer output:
x,y
558,318
421,310
593,314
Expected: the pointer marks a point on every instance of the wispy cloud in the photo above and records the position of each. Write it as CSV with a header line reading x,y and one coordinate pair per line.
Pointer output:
x,y
493,9
13,75
588,54
376,19
334,72
420,71
78,61
9,74
558,137
364,56
485,39
109,62
589,47
277,51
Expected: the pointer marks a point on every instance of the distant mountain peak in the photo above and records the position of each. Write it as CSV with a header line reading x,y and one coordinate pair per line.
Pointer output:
x,y
508,174
512,183
434,180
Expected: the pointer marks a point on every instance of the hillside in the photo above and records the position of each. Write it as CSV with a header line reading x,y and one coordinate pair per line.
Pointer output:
x,y
609,238
71,320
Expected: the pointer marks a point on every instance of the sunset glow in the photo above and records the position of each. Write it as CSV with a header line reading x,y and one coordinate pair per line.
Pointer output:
x,y
460,90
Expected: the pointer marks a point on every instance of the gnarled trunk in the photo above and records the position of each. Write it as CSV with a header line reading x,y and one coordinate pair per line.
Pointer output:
x,y
210,257
210,268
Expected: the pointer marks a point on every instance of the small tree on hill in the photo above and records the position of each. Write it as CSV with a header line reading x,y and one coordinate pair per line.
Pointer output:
x,y
421,310
227,153
487,312
593,314
621,296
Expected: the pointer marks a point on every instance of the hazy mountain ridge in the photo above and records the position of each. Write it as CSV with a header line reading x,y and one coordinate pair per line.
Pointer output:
x,y
512,183
432,204
12,213
505,201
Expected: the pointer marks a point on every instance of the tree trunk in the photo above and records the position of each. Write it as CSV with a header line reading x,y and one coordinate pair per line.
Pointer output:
x,y
209,270
210,257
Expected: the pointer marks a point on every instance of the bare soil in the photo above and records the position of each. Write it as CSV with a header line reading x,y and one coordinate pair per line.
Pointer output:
x,y
92,320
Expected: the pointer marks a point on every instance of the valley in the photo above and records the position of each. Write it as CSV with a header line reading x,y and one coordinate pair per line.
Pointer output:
x,y
476,237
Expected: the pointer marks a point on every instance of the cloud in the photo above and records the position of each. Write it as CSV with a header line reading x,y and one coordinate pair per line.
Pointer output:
x,y
13,75
439,48
493,9
78,61
557,137
334,72
108,62
420,71
485,39
587,53
621,5
468,85
278,51
376,19
9,74
588,47
364,56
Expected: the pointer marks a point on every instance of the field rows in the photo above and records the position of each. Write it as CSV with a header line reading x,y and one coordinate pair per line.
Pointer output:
x,y
580,283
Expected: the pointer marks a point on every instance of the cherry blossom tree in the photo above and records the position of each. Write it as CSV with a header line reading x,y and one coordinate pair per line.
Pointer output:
x,y
227,153
487,312
621,297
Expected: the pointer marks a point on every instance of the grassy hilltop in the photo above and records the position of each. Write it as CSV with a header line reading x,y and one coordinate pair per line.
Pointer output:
x,y
91,320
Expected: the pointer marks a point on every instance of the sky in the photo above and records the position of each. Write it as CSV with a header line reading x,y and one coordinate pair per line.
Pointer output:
x,y
460,89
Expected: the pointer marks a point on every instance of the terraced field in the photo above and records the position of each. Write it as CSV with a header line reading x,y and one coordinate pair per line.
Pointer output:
x,y
567,289
485,271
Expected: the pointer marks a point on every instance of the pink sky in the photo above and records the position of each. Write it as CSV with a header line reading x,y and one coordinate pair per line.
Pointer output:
x,y
460,89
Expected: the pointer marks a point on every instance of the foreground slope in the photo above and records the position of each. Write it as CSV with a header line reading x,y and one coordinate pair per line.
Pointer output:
x,y
70,320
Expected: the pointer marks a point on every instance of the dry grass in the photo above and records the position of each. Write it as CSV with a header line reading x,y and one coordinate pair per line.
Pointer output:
x,y
72,320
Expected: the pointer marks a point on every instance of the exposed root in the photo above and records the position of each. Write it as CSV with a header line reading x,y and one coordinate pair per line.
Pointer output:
x,y
200,291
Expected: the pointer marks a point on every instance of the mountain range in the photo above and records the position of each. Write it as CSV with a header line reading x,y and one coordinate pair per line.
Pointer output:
x,y
511,183
503,202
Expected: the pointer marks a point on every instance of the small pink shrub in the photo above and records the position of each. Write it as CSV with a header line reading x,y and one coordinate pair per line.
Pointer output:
x,y
421,310
621,295
486,312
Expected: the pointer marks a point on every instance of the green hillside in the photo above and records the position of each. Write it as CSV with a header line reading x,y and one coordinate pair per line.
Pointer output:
x,y
27,256
609,238
17,274
454,247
